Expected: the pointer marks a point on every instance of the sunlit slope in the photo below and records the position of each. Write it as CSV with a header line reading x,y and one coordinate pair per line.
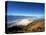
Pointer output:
x,y
36,26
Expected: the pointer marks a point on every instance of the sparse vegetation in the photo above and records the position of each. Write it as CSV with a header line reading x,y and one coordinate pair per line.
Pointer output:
x,y
36,26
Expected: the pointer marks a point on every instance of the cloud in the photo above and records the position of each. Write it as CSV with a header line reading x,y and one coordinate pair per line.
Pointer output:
x,y
23,22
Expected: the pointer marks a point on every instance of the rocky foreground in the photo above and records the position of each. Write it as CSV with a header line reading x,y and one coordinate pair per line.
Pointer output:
x,y
35,26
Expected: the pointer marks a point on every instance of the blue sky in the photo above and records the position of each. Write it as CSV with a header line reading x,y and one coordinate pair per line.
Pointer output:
x,y
25,9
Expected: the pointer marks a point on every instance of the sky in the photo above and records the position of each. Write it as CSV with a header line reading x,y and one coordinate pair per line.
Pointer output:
x,y
25,8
